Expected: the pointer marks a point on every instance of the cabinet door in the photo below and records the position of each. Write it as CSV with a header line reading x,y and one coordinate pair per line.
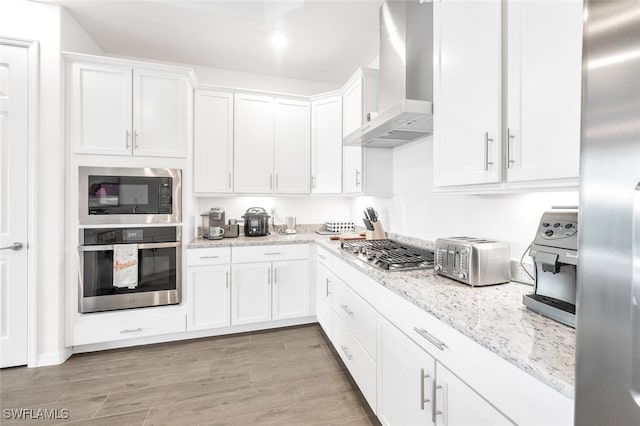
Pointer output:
x,y
352,170
544,90
250,293
159,114
467,92
459,405
209,297
352,106
253,144
292,147
405,379
326,146
213,142
101,109
323,297
290,289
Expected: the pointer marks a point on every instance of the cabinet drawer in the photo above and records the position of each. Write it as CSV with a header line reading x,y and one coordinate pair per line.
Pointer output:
x,y
360,365
114,326
324,257
357,315
269,253
356,280
208,256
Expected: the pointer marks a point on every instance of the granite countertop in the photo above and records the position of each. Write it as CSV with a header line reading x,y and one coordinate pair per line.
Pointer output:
x,y
492,316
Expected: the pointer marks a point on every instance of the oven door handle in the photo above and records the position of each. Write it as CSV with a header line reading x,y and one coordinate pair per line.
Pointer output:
x,y
143,246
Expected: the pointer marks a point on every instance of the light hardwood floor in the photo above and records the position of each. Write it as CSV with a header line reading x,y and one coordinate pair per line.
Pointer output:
x,y
288,376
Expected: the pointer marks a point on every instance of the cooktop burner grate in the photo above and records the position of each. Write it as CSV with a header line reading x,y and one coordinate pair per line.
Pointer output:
x,y
389,255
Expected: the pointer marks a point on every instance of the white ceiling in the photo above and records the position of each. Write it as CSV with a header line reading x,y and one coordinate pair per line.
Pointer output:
x,y
327,40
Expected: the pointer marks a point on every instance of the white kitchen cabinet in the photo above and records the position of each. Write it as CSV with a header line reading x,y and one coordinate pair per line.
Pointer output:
x,y
253,144
119,110
209,297
250,293
290,289
324,283
213,142
326,145
467,92
292,146
101,109
544,90
456,404
352,170
406,374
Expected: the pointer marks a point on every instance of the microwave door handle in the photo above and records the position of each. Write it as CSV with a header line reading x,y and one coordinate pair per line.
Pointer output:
x,y
143,246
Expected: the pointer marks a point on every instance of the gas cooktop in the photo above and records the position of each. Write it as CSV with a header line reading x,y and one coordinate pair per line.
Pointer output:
x,y
389,255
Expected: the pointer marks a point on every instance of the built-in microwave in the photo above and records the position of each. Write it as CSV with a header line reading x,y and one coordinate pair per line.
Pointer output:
x,y
129,195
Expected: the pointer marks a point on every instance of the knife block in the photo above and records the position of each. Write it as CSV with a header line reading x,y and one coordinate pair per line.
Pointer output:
x,y
377,233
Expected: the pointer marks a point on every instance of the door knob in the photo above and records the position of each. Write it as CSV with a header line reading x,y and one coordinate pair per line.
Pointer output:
x,y
15,246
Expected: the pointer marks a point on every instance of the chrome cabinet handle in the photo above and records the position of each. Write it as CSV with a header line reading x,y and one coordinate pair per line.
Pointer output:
x,y
327,291
510,137
227,278
423,400
487,163
313,181
277,182
269,276
357,176
128,136
135,139
434,407
430,338
271,182
131,330
229,180
347,310
322,256
209,257
346,352
275,276
272,253
15,246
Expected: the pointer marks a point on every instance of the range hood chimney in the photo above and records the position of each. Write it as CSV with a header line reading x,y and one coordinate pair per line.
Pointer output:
x,y
406,77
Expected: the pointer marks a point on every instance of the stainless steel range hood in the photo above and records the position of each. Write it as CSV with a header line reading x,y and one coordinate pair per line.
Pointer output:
x,y
406,77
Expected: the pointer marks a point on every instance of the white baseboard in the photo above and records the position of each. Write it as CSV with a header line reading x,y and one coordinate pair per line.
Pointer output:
x,y
192,335
53,358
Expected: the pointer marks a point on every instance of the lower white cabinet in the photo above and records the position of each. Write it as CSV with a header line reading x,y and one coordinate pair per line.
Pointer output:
x,y
456,404
290,289
324,284
415,389
209,297
251,293
405,379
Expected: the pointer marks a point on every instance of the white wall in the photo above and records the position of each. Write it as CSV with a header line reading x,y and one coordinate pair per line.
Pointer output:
x,y
74,38
41,22
417,211
306,209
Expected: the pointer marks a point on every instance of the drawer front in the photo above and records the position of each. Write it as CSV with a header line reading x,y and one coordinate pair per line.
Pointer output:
x,y
357,315
359,364
358,281
324,257
110,327
208,256
269,253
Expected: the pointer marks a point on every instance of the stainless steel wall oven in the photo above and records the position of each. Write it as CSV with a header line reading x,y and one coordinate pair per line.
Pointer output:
x,y
155,279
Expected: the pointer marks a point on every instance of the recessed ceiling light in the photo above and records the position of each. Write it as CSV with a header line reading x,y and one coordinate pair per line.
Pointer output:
x,y
278,40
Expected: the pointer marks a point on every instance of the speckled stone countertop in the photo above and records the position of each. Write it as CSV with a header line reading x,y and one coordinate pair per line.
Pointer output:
x,y
492,316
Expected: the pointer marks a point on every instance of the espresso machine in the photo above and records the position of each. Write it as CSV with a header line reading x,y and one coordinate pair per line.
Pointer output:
x,y
214,218
555,255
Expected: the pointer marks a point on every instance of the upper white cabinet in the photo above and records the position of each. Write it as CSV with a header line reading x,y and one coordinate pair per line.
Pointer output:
x,y
253,144
272,146
364,170
544,90
326,145
213,142
467,92
120,110
292,148
538,145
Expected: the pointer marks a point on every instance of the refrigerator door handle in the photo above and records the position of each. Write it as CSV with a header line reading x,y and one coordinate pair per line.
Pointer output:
x,y
635,296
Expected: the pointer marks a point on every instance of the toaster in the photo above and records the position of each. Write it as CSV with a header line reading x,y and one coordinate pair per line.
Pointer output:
x,y
256,222
473,261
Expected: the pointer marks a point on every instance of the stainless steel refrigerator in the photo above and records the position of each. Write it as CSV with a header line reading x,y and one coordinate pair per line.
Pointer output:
x,y
608,304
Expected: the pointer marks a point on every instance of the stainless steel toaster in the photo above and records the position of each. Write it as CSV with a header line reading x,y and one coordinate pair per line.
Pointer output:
x,y
473,261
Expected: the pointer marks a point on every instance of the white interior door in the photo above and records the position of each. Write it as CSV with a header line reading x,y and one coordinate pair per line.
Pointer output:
x,y
13,205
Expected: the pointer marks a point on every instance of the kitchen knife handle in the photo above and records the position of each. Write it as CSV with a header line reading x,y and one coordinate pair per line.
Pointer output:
x,y
487,163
